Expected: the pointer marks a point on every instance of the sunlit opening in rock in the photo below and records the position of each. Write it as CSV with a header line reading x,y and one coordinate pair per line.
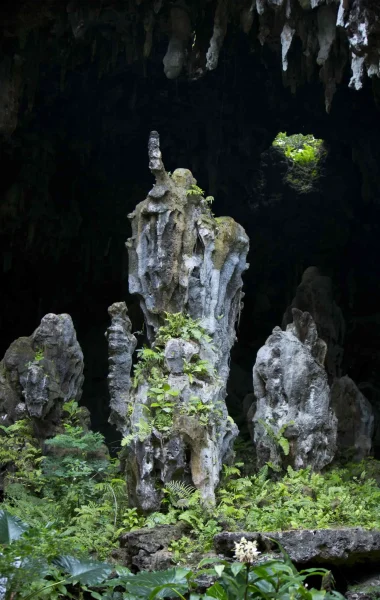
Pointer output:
x,y
305,156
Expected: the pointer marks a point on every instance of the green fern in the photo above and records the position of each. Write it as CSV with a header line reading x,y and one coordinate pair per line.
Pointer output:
x,y
179,494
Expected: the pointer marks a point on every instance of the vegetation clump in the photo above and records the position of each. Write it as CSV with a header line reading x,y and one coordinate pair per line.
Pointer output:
x,y
304,154
151,368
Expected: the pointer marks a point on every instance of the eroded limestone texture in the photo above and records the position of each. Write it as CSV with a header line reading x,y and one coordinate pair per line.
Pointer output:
x,y
293,398
121,346
41,372
182,260
315,295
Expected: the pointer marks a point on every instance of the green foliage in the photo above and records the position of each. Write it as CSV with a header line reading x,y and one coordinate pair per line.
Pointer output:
x,y
39,355
278,436
70,577
20,455
72,498
194,190
273,580
181,325
301,499
202,410
181,495
304,153
29,571
150,368
151,360
11,528
200,368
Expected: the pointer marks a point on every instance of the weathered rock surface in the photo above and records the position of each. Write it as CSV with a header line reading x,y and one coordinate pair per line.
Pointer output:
x,y
355,419
182,260
121,346
147,549
41,372
293,398
348,546
315,295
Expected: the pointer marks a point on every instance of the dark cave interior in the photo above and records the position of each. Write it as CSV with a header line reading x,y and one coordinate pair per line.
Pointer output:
x,y
77,165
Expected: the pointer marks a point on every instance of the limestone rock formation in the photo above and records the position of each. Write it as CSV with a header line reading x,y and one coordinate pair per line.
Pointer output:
x,y
186,263
355,419
293,423
315,295
147,549
41,372
183,259
121,346
348,546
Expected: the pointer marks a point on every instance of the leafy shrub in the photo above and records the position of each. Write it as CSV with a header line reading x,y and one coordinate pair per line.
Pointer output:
x,y
181,325
73,499
304,154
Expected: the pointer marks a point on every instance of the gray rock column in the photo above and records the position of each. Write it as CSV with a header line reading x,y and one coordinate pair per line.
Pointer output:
x,y
293,398
182,260
121,346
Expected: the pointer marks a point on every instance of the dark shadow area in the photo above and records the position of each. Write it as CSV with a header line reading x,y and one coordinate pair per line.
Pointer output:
x,y
77,165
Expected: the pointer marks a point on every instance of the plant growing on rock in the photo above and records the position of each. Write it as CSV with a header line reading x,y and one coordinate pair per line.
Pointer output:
x,y
304,154
181,325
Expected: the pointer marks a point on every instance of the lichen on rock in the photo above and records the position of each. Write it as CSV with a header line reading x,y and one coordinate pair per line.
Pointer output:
x,y
186,268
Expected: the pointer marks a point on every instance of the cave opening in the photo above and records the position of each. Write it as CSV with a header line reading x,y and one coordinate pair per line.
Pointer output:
x,y
76,165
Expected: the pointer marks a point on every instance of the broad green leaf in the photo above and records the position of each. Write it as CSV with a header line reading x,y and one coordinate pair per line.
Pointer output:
x,y
211,560
168,589
236,568
216,591
145,583
219,569
11,528
87,572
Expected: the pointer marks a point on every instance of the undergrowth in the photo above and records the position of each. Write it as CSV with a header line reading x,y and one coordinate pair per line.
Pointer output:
x,y
73,498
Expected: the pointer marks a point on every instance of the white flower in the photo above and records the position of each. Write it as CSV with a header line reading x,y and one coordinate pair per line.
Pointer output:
x,y
245,551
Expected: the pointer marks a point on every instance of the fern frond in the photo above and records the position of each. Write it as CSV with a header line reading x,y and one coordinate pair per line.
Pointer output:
x,y
180,489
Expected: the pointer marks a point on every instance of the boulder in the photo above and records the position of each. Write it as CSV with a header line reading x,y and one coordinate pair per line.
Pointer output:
x,y
38,374
147,549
